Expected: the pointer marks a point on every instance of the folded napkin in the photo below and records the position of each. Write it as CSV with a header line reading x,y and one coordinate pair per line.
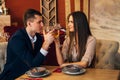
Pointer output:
x,y
58,70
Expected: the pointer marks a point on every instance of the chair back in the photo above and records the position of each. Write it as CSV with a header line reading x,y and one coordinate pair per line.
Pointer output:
x,y
3,47
105,54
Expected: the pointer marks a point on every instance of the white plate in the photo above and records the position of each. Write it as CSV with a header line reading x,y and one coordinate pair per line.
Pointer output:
x,y
35,76
74,73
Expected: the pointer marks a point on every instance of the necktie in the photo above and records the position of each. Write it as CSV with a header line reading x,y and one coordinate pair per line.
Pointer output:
x,y
33,45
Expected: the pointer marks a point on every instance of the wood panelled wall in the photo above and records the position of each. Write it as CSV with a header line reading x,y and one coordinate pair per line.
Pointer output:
x,y
17,9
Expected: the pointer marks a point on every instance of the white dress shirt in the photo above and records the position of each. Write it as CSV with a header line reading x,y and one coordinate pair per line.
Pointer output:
x,y
33,40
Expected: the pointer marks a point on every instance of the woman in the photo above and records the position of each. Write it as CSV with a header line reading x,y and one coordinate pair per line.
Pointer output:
x,y
79,47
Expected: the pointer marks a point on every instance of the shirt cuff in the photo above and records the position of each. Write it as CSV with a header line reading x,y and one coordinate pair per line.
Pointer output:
x,y
44,52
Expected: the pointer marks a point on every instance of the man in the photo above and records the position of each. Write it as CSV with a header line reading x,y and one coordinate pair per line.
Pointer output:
x,y
25,48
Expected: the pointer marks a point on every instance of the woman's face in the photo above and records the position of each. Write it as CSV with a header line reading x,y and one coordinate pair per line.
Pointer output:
x,y
71,24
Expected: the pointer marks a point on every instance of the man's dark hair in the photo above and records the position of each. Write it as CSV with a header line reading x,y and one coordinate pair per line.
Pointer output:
x,y
29,15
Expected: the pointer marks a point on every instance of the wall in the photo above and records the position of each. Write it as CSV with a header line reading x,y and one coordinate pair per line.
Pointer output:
x,y
17,9
105,19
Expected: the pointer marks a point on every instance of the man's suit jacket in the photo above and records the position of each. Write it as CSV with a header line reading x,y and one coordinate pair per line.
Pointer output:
x,y
21,56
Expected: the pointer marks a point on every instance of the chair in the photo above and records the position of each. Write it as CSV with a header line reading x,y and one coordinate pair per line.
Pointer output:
x,y
3,46
11,29
105,54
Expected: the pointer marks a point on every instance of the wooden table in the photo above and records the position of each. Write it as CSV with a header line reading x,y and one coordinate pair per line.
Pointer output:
x,y
91,74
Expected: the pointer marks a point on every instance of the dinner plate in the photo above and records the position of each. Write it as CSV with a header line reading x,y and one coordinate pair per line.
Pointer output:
x,y
73,69
47,72
74,73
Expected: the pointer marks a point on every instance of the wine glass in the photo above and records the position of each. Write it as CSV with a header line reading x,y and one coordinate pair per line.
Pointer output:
x,y
55,29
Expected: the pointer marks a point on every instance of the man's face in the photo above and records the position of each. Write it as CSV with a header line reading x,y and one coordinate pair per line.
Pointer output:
x,y
37,24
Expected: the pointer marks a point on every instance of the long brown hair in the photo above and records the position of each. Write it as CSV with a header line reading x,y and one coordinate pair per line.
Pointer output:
x,y
82,28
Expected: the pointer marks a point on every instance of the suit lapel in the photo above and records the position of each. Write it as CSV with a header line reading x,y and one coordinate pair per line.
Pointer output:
x,y
28,41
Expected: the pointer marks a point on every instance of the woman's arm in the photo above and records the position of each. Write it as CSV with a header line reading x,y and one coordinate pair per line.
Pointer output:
x,y
81,63
60,59
90,50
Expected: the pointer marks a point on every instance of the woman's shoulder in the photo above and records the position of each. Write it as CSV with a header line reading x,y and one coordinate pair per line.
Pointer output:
x,y
67,39
91,38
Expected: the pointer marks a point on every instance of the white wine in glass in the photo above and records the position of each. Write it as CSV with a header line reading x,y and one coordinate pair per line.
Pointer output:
x,y
55,29
56,33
